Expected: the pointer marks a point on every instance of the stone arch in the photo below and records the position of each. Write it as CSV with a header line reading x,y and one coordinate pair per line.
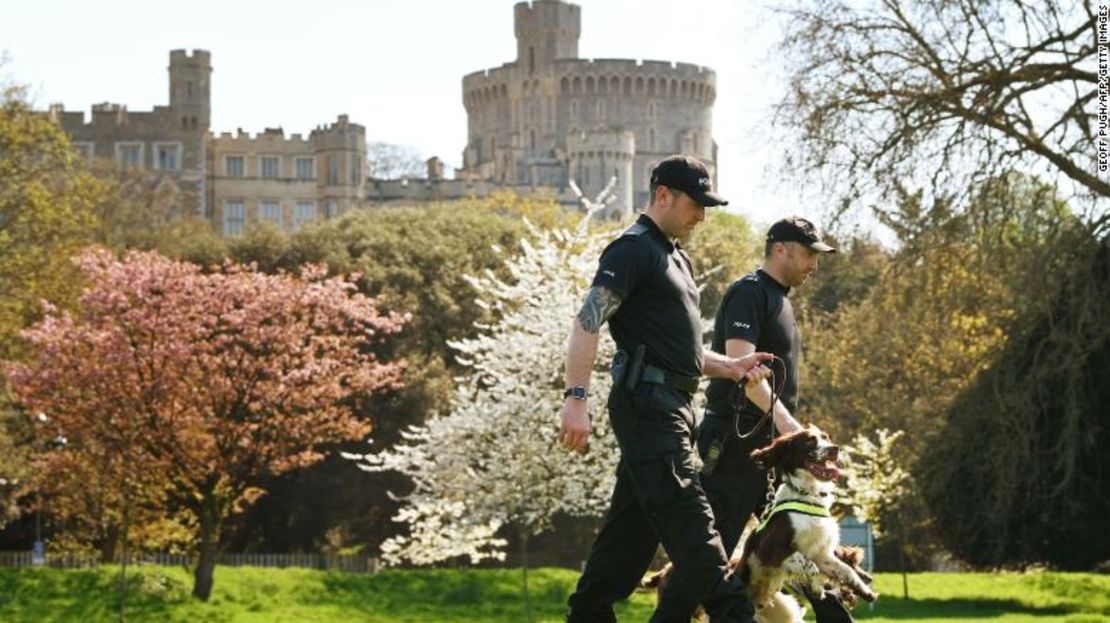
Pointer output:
x,y
674,88
685,90
614,85
589,85
639,85
603,85
627,85
651,87
564,86
576,86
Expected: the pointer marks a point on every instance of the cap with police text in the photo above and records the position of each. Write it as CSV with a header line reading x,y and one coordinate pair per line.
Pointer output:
x,y
688,175
798,229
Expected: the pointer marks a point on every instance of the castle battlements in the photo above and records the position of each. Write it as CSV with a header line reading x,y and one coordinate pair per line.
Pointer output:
x,y
550,116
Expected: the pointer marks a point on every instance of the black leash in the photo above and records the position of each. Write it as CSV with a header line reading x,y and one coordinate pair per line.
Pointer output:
x,y
737,399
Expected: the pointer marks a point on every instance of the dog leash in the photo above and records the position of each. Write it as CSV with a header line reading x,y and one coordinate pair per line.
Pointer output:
x,y
737,399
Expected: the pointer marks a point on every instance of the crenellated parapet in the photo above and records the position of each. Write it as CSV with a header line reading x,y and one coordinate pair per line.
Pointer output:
x,y
526,118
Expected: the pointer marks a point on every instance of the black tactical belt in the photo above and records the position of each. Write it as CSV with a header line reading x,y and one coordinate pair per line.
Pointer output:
x,y
659,376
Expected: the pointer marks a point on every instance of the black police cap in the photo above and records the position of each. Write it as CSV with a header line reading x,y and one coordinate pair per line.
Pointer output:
x,y
798,229
689,175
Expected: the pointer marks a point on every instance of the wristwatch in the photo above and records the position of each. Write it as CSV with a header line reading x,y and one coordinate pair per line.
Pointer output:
x,y
578,393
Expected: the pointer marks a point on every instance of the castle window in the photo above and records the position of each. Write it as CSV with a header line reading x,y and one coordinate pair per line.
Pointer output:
x,y
531,60
233,166
235,217
306,168
129,155
305,213
269,211
167,156
574,109
356,169
269,166
333,170
84,151
331,209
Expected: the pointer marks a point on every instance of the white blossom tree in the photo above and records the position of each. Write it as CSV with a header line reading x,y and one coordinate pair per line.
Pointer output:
x,y
876,479
494,461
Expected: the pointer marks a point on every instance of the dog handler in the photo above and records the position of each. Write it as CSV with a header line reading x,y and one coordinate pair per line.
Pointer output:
x,y
756,315
644,287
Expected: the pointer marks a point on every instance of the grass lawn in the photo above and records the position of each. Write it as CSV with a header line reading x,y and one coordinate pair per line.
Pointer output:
x,y
248,594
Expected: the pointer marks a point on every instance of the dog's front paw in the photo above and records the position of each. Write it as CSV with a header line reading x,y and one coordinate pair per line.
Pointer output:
x,y
869,595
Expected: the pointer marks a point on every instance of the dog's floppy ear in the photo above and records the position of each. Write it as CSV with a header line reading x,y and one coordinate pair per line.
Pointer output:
x,y
769,456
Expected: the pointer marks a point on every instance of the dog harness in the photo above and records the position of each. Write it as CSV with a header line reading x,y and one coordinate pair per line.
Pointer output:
x,y
794,506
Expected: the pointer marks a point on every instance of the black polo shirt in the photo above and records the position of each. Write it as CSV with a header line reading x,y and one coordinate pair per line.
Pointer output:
x,y
655,281
756,309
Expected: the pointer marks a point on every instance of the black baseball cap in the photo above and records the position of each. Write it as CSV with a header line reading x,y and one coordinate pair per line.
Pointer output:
x,y
798,229
689,175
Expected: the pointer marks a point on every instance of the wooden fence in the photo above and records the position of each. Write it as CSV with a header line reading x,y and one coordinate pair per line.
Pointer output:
x,y
353,564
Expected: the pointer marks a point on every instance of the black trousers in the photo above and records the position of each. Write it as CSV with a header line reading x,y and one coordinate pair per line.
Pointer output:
x,y
736,490
657,499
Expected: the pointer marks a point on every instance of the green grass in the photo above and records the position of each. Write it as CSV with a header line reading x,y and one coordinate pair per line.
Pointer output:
x,y
249,594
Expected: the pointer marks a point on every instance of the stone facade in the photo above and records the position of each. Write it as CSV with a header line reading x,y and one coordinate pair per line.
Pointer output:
x,y
534,125
237,178
549,116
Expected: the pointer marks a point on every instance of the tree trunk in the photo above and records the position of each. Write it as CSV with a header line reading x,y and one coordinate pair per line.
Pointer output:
x,y
905,580
208,548
524,567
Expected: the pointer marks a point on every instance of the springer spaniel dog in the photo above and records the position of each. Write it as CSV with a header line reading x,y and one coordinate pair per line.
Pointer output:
x,y
800,573
799,523
799,542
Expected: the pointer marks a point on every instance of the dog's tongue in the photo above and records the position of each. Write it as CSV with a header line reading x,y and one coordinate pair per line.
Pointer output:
x,y
825,471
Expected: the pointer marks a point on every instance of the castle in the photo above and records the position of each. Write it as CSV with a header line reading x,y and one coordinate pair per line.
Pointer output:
x,y
549,116
534,125
236,178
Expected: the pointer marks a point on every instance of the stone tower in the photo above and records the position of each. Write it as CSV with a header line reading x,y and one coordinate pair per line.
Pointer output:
x,y
546,30
550,117
190,89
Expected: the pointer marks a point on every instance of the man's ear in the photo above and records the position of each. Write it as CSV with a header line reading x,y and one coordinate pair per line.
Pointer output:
x,y
664,196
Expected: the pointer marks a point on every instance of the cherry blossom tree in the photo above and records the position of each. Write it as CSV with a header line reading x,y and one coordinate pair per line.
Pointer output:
x,y
189,388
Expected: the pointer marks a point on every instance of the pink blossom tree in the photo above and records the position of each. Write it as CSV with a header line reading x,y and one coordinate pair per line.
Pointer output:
x,y
178,385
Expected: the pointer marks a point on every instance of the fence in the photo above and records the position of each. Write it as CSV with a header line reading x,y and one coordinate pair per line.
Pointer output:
x,y
352,564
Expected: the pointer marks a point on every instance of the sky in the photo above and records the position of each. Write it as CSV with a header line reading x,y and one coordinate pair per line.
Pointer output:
x,y
394,67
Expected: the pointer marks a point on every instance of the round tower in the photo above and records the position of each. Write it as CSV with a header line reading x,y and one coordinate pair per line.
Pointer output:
x,y
594,158
546,30
190,92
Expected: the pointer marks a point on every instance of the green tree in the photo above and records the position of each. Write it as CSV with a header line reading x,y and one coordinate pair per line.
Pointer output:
x,y
411,259
1020,474
46,214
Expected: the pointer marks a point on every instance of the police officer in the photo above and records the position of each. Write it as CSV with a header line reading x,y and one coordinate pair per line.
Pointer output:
x,y
756,315
644,287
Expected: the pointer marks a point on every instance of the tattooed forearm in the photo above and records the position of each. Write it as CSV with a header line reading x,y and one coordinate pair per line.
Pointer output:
x,y
600,305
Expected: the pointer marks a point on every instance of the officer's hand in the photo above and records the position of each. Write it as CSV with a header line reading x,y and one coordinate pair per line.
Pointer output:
x,y
574,425
756,375
748,368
